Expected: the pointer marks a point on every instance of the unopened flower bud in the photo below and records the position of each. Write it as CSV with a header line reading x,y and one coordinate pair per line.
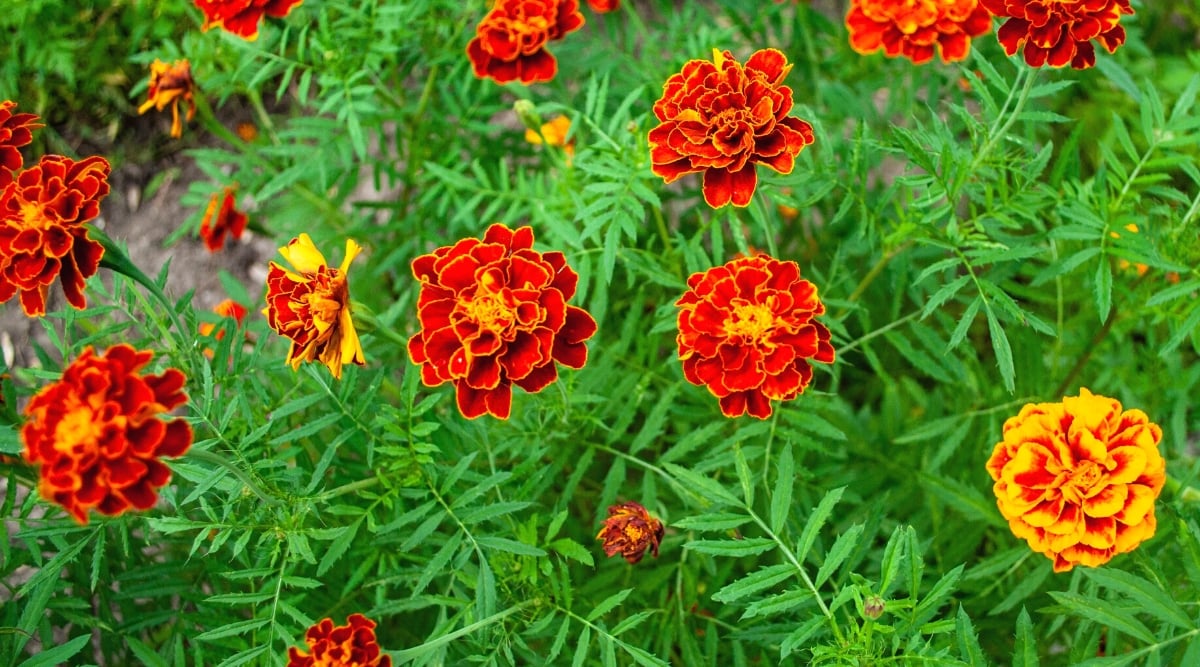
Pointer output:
x,y
873,607
528,114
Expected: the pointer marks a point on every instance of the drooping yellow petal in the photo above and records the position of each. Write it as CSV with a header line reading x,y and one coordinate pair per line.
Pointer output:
x,y
352,250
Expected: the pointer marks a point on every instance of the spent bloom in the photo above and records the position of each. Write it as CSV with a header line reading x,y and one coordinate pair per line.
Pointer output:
x,y
169,84
917,30
349,645
510,41
98,433
221,218
310,305
1059,32
747,332
494,313
241,17
629,530
16,130
1078,479
43,211
722,118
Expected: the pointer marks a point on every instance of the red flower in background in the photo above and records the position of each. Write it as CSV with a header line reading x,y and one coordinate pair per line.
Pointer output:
x,y
629,530
168,85
226,309
494,313
349,645
747,332
510,42
917,30
721,118
241,17
602,6
42,234
16,130
1059,32
98,436
221,218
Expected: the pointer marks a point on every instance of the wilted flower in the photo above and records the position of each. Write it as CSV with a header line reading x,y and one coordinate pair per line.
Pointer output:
x,y
554,133
747,332
918,29
1078,479
1059,32
221,218
310,304
42,233
98,435
494,313
602,6
721,118
349,645
168,85
16,130
241,17
510,42
629,530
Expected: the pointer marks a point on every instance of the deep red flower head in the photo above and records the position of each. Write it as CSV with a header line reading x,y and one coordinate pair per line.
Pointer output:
x,y
98,435
494,313
170,84
629,530
1060,32
16,130
747,332
722,118
241,17
918,29
510,42
349,645
42,233
602,6
221,218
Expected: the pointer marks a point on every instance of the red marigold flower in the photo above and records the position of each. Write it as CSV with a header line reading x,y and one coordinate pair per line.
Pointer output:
x,y
311,306
510,42
917,30
629,530
1059,32
220,218
747,332
16,130
722,118
168,85
349,645
602,6
494,313
42,234
241,17
98,435
1078,479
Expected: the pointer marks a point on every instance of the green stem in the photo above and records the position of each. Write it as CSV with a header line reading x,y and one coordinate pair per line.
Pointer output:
x,y
417,651
352,487
877,269
216,459
1094,343
878,332
115,259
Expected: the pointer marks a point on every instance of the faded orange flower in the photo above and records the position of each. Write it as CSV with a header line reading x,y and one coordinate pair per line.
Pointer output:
x,y
168,85
16,130
553,133
629,530
349,645
221,218
241,17
917,29
98,435
310,305
43,213
1078,479
1059,32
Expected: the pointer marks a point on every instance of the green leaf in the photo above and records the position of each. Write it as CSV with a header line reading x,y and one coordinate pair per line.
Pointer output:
x,y
1103,291
1004,358
816,521
744,475
800,636
232,629
571,549
759,580
968,642
838,552
701,486
437,564
581,648
1103,613
485,512
59,655
608,604
732,548
338,547
1025,651
944,294
785,478
717,521
511,546
1150,598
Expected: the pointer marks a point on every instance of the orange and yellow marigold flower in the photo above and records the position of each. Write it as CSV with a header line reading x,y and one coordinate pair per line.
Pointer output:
x,y
1059,32
98,435
1078,479
16,130
221,218
722,118
629,530
241,17
510,42
170,84
494,313
553,133
310,305
349,645
917,30
747,331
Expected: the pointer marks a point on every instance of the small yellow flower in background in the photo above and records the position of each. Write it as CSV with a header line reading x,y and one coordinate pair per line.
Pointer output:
x,y
168,85
554,133
310,305
1131,228
629,530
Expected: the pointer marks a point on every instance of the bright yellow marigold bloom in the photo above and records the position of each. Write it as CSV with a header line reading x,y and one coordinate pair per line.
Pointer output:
x,y
1078,479
554,133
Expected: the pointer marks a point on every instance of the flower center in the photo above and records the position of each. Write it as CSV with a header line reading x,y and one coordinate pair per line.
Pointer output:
x,y
78,432
1085,475
751,321
634,532
491,311
326,301
33,217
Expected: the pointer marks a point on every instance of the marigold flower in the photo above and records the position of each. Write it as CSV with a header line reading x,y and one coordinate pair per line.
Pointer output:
x,y
1059,32
1078,479
42,234
310,305
227,309
98,436
221,218
629,530
747,332
602,6
917,29
494,313
510,42
168,85
554,133
349,645
722,118
16,130
241,17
